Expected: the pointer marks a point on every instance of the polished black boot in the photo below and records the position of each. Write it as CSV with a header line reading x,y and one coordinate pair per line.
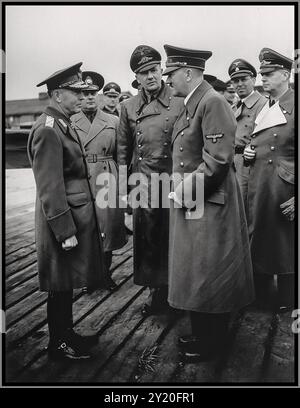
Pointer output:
x,y
109,283
59,315
209,331
286,293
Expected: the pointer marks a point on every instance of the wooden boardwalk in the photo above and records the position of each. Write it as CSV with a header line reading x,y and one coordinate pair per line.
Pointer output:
x,y
131,348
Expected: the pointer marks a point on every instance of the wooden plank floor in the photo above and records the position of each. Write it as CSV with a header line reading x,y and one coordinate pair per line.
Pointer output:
x,y
131,348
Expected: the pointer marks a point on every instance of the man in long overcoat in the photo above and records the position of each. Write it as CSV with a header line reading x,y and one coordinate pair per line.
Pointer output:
x,y
97,131
271,159
210,273
243,76
144,145
68,240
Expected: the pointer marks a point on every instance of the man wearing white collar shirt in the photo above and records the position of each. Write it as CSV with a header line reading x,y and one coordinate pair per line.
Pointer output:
x,y
270,209
243,77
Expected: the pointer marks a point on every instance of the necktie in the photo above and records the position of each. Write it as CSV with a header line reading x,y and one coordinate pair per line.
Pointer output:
x,y
271,102
240,103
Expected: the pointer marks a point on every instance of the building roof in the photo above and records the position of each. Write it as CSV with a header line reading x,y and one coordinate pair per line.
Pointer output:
x,y
25,106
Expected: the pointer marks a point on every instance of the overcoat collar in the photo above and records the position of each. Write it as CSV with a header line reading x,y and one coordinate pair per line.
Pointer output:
x,y
190,108
163,97
249,102
274,116
91,129
196,97
63,122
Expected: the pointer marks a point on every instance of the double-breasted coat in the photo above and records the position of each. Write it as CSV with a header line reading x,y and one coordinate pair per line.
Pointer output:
x,y
64,206
99,138
210,267
245,116
271,183
144,145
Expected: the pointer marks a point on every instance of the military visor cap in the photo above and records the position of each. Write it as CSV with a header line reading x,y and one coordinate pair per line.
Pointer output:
x,y
144,58
241,68
67,78
112,89
184,58
219,85
135,84
210,78
271,60
93,80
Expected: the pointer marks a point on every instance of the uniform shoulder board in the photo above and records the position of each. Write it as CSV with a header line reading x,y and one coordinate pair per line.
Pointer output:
x,y
49,121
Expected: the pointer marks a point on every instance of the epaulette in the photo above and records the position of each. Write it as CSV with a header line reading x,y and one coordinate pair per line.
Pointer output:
x,y
49,121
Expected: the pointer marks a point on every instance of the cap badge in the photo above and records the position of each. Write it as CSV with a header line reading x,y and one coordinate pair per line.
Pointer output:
x,y
237,69
89,81
266,62
144,59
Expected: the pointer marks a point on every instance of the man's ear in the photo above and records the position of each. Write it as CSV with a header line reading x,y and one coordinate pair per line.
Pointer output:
x,y
57,95
188,74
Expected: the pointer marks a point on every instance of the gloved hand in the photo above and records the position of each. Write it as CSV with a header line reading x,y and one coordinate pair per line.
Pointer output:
x,y
288,209
69,243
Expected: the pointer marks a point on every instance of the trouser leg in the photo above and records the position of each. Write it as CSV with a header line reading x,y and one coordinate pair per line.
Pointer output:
x,y
108,261
157,298
286,291
264,289
210,328
59,315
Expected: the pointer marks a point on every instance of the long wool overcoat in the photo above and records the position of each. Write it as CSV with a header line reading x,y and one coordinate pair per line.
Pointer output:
x,y
64,206
210,266
99,138
271,183
144,145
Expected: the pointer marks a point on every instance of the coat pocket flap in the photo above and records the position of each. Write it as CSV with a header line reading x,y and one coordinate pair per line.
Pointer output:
x,y
286,173
218,197
77,199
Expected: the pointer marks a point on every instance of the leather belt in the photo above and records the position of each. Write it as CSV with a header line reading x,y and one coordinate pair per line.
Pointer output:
x,y
94,158
239,149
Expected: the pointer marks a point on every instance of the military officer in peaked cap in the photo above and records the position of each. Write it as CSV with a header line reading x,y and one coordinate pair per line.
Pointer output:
x,y
111,92
144,144
270,154
243,77
68,241
98,133
210,272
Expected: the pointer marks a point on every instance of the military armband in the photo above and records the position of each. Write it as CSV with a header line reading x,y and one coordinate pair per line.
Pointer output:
x,y
214,137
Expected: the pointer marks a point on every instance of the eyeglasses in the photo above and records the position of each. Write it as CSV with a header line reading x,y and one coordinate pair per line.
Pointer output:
x,y
87,93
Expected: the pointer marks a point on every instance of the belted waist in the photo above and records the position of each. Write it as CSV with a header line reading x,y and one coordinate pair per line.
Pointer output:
x,y
239,149
94,158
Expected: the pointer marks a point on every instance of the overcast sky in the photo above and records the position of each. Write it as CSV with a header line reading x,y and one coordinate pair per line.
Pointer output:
x,y
44,39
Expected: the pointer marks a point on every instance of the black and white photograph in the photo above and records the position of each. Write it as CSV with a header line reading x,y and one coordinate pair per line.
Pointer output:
x,y
149,206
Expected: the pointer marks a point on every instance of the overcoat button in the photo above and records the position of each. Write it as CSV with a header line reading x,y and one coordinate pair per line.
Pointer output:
x,y
165,156
140,158
165,143
270,161
272,148
181,148
182,133
181,164
275,134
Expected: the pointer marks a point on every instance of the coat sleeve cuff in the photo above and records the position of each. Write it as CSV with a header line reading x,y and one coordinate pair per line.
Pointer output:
x,y
62,225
